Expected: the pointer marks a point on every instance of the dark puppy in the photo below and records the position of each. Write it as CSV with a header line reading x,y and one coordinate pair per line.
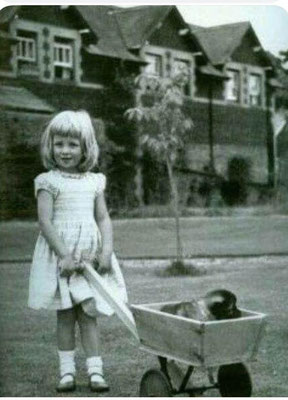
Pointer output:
x,y
216,305
222,304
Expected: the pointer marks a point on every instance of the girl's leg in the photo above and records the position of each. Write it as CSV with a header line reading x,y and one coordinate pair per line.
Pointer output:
x,y
66,320
89,332
90,341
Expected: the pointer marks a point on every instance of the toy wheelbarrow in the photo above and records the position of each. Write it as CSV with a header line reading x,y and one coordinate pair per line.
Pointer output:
x,y
223,346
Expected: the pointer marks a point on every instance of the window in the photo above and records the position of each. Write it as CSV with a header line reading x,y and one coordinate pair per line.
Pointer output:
x,y
63,59
155,64
183,66
26,46
255,90
233,86
180,66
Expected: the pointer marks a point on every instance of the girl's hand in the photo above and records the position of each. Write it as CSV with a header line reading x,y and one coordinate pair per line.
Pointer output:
x,y
67,266
80,266
104,263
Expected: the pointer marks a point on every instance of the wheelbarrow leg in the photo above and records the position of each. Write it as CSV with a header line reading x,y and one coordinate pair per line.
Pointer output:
x,y
186,378
163,367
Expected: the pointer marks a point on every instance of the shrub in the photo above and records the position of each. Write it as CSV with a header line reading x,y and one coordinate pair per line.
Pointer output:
x,y
239,169
235,191
179,268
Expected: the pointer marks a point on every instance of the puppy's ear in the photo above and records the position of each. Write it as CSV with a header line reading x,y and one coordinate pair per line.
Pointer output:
x,y
215,299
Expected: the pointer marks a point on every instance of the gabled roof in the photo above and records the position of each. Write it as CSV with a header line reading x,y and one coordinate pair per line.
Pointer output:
x,y
103,23
138,23
221,41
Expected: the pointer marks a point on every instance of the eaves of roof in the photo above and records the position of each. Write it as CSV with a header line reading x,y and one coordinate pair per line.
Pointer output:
x,y
212,71
108,52
7,36
275,83
19,98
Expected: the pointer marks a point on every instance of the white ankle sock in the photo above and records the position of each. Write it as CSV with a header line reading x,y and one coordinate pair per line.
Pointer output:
x,y
66,379
67,363
95,366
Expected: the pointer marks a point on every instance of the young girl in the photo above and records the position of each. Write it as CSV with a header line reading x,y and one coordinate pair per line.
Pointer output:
x,y
68,198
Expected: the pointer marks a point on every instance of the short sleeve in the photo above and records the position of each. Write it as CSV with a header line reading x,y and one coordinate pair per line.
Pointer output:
x,y
100,180
43,181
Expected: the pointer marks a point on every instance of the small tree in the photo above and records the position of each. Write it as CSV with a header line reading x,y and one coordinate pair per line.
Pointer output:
x,y
163,127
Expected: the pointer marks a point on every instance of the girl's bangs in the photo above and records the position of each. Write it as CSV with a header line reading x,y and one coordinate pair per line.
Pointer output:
x,y
66,131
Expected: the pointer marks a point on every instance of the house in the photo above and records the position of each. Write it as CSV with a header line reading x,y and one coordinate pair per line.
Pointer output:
x,y
58,57
241,105
231,91
232,85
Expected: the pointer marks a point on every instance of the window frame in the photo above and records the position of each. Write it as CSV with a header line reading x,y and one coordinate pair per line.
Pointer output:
x,y
158,57
183,61
258,96
187,63
229,88
26,40
63,46
65,63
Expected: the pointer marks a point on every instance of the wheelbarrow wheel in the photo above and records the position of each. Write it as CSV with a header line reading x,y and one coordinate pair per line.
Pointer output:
x,y
234,381
154,383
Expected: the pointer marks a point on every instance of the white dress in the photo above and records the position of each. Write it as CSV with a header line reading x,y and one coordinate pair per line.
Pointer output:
x,y
73,218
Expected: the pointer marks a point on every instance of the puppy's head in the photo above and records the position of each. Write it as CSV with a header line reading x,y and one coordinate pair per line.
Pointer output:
x,y
222,304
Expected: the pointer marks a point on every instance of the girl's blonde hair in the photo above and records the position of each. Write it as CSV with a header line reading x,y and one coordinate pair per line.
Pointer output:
x,y
75,124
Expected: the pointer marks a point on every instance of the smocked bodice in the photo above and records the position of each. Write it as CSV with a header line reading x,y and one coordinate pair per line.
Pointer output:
x,y
74,194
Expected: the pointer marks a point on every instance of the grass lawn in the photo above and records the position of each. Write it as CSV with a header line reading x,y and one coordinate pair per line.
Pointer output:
x,y
202,236
28,348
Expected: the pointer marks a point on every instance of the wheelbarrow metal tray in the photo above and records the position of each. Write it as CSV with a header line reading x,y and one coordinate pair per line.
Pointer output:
x,y
198,343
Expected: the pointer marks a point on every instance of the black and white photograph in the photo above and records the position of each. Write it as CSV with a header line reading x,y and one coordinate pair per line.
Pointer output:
x,y
143,200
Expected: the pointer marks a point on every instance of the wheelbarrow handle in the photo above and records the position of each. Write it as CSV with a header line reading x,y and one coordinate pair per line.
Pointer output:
x,y
120,308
